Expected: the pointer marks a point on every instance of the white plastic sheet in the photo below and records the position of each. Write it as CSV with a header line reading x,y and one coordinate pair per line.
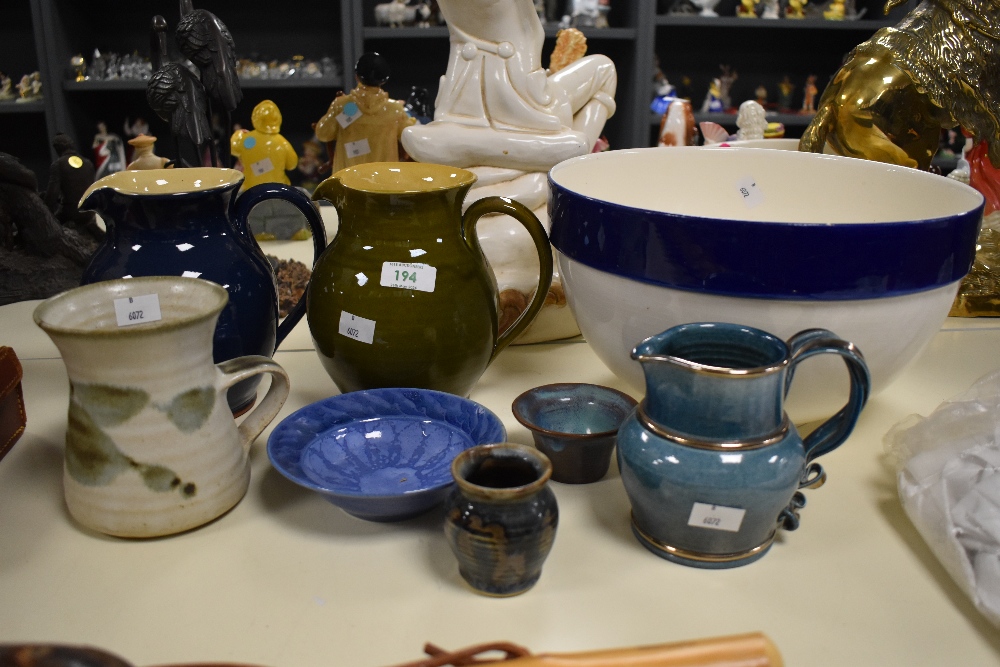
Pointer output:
x,y
948,475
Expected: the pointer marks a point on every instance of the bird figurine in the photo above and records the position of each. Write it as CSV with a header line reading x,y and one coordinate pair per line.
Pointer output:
x,y
176,95
206,42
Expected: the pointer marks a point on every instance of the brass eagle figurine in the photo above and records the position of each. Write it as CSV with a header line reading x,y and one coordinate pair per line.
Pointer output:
x,y
938,68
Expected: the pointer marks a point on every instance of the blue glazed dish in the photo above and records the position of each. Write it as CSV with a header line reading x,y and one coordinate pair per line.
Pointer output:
x,y
381,454
575,425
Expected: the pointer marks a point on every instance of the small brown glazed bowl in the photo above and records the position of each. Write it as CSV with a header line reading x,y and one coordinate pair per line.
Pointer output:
x,y
575,425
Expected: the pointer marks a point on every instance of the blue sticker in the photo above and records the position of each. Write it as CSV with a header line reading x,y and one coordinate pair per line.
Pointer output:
x,y
350,109
249,142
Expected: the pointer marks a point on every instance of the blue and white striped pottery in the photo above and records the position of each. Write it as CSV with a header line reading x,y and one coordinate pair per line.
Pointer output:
x,y
710,461
779,240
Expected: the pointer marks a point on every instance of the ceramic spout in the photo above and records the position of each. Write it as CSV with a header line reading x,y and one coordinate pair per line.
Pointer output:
x,y
333,191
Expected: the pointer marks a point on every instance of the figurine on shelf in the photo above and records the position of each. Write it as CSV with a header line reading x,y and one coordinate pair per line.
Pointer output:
x,y
79,67
751,121
661,85
785,91
713,98
747,9
760,93
6,85
69,177
36,85
395,14
809,93
677,127
307,174
834,11
687,7
177,96
707,7
364,125
24,90
795,9
771,9
263,152
204,39
109,152
713,133
143,156
726,81
590,13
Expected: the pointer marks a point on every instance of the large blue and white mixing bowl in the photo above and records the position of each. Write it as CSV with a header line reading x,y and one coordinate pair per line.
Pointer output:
x,y
778,240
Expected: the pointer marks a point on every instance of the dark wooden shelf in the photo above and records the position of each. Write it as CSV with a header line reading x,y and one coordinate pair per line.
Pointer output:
x,y
442,32
22,107
860,25
132,84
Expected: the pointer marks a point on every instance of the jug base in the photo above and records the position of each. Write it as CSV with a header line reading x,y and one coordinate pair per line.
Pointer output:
x,y
705,561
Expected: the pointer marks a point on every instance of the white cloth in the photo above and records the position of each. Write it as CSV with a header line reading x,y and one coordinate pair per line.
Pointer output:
x,y
949,484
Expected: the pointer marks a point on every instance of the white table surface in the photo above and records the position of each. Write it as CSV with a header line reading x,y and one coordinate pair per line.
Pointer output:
x,y
288,580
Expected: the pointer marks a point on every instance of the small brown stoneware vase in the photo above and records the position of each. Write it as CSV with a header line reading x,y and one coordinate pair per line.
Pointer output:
x,y
501,517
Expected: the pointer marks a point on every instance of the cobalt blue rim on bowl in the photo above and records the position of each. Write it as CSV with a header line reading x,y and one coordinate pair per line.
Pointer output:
x,y
770,260
294,444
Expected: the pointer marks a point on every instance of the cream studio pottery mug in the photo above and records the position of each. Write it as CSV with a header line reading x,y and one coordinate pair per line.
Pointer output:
x,y
151,447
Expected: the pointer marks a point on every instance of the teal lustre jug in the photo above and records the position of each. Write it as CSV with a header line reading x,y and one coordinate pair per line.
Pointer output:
x,y
710,461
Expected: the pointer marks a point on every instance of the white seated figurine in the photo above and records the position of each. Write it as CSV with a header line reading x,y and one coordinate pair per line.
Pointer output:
x,y
751,121
502,115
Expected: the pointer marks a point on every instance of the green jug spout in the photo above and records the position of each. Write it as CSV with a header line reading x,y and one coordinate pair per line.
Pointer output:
x,y
333,191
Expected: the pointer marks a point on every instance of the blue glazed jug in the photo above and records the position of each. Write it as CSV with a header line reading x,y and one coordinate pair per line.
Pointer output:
x,y
190,223
710,461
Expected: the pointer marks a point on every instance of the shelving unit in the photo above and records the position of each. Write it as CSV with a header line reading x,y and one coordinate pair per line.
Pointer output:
x,y
44,34
23,131
627,42
760,51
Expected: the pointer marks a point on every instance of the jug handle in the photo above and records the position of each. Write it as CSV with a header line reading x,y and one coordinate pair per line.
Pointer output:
x,y
264,191
522,214
831,433
243,368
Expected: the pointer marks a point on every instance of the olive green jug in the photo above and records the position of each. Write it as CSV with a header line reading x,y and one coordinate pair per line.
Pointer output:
x,y
404,296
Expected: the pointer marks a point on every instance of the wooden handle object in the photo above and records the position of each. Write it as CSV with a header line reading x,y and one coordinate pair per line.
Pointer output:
x,y
749,650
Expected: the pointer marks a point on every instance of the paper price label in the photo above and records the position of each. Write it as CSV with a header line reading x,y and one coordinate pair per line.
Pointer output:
x,y
261,167
357,328
716,517
750,192
137,310
408,276
350,114
357,148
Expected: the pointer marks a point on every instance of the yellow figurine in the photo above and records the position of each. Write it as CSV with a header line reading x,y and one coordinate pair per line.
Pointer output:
x,y
364,125
747,9
835,11
796,9
263,152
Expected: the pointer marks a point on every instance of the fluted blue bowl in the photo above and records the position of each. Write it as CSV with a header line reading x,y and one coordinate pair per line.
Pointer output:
x,y
381,454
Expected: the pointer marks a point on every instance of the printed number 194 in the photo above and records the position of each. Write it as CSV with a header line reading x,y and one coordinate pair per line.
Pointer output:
x,y
404,276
